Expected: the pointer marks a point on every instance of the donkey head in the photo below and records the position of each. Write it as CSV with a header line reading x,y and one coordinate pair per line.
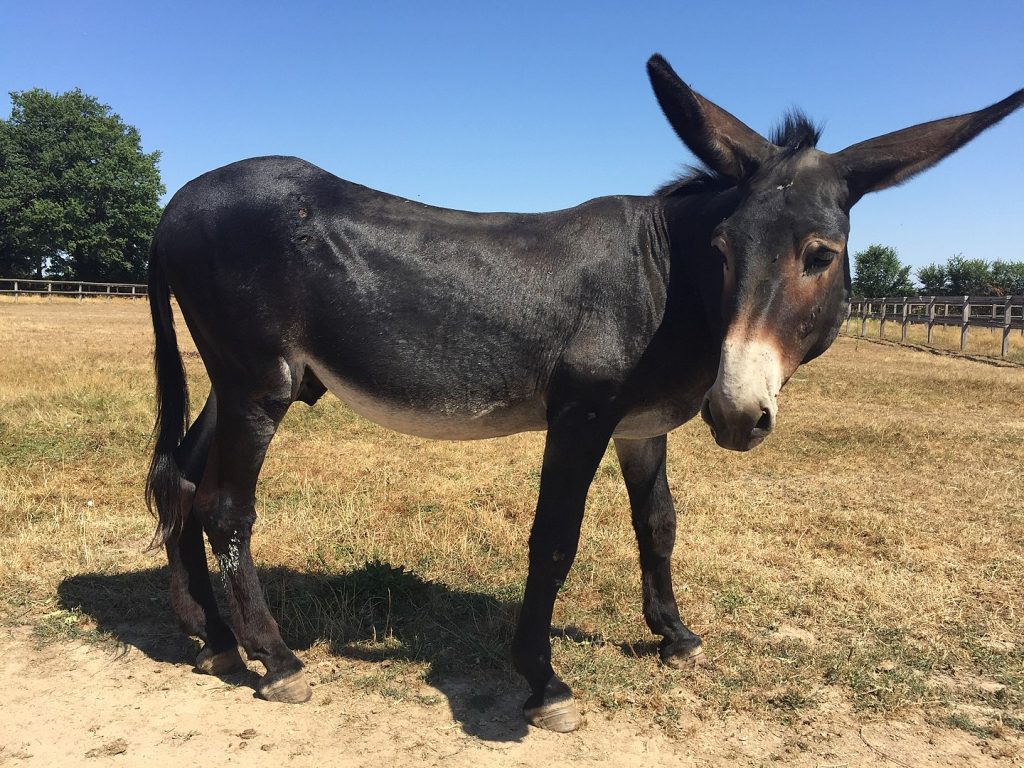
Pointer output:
x,y
782,241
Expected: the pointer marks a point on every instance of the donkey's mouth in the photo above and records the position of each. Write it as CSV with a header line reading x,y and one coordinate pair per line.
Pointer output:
x,y
737,430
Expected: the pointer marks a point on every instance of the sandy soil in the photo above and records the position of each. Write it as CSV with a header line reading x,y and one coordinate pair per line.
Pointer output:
x,y
75,703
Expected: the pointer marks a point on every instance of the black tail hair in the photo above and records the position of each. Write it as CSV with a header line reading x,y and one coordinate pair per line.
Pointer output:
x,y
163,483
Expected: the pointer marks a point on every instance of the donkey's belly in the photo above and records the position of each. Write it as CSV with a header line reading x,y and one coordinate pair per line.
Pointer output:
x,y
437,416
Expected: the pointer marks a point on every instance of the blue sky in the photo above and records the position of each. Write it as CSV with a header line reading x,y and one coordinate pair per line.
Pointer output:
x,y
540,105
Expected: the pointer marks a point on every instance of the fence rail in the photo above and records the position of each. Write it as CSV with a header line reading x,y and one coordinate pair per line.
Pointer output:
x,y
75,288
965,312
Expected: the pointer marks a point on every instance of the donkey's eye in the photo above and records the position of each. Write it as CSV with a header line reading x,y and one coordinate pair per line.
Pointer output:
x,y
818,258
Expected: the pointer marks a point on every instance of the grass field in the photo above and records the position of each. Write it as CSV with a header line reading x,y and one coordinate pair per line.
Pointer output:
x,y
869,556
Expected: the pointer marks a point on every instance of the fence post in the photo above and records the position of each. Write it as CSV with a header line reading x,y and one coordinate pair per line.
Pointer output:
x,y
881,323
965,321
931,318
906,319
15,291
1006,326
133,293
108,293
49,293
863,319
79,293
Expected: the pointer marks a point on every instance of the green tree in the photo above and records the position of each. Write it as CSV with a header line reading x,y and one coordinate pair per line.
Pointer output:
x,y
78,196
933,280
968,277
1008,278
879,273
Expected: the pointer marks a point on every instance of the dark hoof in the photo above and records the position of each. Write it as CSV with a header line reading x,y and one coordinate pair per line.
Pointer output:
x,y
684,655
554,710
224,663
290,688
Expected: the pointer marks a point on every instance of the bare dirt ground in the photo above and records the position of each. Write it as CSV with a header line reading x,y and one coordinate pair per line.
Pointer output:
x,y
96,704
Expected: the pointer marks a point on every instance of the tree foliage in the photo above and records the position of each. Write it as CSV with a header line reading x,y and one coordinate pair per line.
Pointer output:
x,y
933,280
1007,278
878,272
972,277
968,277
78,196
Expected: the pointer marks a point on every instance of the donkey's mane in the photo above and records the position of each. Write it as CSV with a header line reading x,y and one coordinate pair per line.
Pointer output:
x,y
794,132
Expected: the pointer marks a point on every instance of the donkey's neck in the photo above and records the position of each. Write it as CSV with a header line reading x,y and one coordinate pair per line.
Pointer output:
x,y
696,284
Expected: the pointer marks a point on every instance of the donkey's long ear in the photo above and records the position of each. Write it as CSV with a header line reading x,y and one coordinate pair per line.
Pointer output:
x,y
722,142
895,157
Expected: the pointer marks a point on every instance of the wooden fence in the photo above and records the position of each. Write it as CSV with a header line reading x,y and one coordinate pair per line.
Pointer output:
x,y
965,312
75,288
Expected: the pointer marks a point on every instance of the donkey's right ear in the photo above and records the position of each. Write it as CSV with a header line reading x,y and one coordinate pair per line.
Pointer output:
x,y
722,142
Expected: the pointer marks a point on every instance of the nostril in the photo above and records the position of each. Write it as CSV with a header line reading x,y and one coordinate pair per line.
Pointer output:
x,y
765,422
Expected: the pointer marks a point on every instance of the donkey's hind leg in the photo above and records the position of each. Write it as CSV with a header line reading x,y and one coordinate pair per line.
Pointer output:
x,y
225,499
191,592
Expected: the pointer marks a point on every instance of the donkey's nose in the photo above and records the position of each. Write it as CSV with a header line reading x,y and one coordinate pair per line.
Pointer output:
x,y
737,427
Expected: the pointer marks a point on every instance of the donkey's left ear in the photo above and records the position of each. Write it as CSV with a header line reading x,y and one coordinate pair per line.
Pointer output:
x,y
895,157
722,142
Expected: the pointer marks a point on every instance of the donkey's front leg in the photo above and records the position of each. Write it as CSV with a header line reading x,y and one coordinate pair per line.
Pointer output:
x,y
654,520
576,440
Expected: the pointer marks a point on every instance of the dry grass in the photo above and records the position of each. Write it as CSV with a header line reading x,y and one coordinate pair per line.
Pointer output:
x,y
869,556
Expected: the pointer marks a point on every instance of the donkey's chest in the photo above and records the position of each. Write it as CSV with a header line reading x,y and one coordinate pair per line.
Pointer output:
x,y
659,417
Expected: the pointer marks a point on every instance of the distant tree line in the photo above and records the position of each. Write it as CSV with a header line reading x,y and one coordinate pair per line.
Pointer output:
x,y
78,196
879,272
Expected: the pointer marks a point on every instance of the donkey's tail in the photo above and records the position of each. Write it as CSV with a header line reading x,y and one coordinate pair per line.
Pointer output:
x,y
164,483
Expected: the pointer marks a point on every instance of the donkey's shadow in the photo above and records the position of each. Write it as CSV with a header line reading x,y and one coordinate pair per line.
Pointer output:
x,y
377,612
